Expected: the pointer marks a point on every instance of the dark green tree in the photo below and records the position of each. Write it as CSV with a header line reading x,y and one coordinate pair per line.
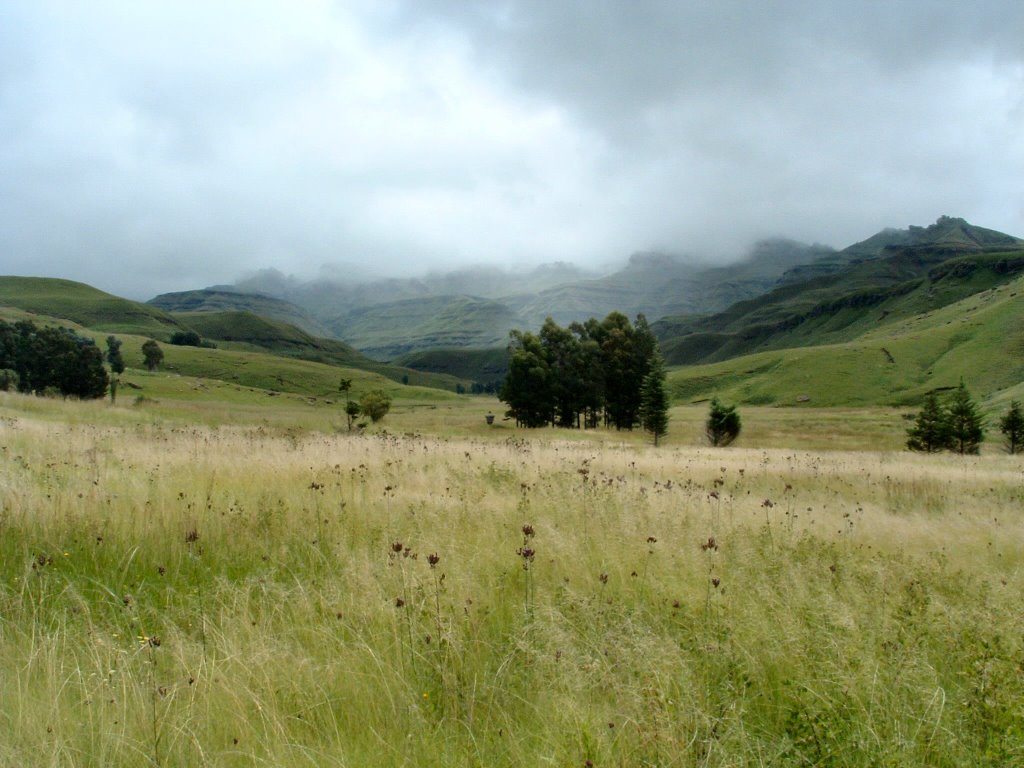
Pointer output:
x,y
8,380
152,355
930,432
186,339
563,355
723,425
51,359
966,425
527,389
375,405
351,413
625,356
114,355
1012,427
654,401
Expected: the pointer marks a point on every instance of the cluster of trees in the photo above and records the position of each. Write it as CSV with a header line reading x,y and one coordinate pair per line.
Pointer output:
x,y
34,359
190,339
374,405
586,374
958,426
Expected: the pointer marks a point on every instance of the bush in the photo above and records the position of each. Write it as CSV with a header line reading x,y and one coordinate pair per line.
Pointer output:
x,y
186,339
723,424
375,405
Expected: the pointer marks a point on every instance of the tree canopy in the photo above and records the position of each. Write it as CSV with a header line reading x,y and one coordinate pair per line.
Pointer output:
x,y
57,358
577,376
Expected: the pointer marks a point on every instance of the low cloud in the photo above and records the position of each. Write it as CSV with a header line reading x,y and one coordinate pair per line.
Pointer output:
x,y
162,146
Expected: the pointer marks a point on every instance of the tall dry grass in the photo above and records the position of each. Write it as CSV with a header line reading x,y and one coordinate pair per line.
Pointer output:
x,y
175,595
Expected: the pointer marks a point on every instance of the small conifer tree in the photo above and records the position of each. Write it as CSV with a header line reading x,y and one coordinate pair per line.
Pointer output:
x,y
966,426
930,432
1012,427
114,354
723,424
654,402
152,355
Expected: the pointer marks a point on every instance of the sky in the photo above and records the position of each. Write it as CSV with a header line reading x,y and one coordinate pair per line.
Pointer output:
x,y
151,146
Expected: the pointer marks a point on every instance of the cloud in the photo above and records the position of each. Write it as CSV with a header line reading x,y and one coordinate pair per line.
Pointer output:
x,y
166,145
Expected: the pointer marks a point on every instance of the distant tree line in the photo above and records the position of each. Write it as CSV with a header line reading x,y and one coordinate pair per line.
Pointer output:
x,y
584,375
41,360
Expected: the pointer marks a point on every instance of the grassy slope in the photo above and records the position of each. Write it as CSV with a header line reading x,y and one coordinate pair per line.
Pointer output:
x,y
243,375
980,338
244,330
86,306
936,266
58,302
482,365
272,372
212,300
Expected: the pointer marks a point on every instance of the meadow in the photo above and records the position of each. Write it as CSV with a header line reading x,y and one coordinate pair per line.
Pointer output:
x,y
227,583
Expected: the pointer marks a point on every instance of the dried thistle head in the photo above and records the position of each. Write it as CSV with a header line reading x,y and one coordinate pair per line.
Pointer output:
x,y
433,559
192,536
528,531
396,547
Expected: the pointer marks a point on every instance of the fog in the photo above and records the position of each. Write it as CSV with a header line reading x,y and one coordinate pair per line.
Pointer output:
x,y
159,146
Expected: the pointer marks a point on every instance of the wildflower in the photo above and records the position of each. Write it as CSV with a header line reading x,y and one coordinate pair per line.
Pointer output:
x,y
433,559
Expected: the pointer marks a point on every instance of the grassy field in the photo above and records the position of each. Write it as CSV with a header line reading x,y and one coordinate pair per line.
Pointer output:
x,y
205,580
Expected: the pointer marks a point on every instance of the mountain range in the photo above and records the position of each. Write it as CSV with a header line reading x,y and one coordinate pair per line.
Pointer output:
x,y
476,308
886,320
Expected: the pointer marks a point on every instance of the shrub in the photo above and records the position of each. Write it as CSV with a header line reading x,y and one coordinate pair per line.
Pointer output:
x,y
723,424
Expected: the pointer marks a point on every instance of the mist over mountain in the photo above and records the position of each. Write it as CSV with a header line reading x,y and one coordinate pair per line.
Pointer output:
x,y
894,273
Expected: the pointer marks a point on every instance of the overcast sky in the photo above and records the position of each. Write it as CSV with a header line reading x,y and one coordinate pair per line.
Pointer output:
x,y
150,146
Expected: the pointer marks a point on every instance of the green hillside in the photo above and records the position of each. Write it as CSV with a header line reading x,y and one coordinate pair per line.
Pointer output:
x,y
979,338
216,300
86,306
939,265
385,331
244,330
273,373
54,301
485,366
